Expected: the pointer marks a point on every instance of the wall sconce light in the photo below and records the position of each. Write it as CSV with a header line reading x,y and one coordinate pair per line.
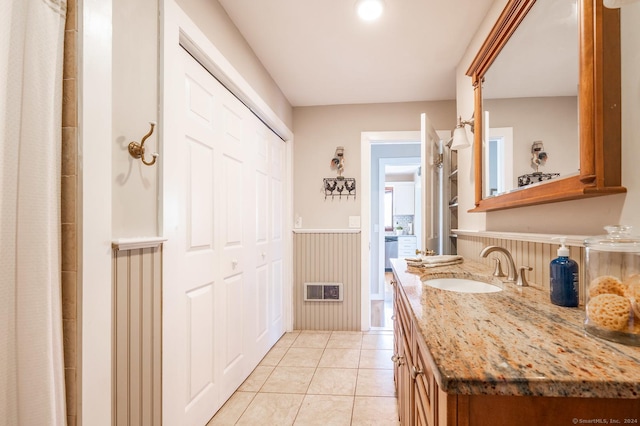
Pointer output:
x,y
337,162
137,149
538,155
460,140
339,186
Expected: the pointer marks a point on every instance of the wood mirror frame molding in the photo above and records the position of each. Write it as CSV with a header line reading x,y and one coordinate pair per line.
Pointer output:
x,y
599,108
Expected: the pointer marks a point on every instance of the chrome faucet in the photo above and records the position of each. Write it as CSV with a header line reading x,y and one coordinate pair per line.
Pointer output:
x,y
512,273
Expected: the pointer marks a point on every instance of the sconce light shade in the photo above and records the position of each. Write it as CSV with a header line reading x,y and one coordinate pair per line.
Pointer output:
x,y
460,140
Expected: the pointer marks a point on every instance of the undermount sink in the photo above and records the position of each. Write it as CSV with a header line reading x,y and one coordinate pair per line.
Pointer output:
x,y
462,285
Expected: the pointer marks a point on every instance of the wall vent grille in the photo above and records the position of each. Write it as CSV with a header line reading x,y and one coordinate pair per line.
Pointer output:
x,y
323,292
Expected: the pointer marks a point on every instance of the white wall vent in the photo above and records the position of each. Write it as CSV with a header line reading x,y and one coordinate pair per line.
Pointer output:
x,y
323,292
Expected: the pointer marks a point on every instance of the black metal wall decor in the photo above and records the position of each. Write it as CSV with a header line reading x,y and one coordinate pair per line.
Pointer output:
x,y
339,187
535,177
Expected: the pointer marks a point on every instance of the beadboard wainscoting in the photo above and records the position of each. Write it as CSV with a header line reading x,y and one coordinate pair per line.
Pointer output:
x,y
137,328
534,250
327,256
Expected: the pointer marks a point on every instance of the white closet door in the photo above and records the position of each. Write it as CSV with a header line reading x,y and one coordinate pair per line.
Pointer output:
x,y
277,173
266,285
192,254
260,336
235,307
223,261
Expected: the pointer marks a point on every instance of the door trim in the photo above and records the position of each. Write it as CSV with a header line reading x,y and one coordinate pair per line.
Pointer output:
x,y
366,140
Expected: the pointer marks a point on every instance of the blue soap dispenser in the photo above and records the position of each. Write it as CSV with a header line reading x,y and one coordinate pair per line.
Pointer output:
x,y
564,278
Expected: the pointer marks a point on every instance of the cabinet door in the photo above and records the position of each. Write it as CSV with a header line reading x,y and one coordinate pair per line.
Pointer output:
x,y
405,393
403,199
424,385
403,361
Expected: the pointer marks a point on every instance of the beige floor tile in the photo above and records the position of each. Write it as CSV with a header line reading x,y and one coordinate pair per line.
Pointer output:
x,y
378,331
256,379
301,357
272,409
324,410
232,409
375,383
273,357
311,340
377,341
375,411
340,358
287,339
318,377
376,358
345,340
333,381
288,380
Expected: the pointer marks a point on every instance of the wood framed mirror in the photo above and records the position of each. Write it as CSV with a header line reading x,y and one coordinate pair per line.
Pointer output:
x,y
598,115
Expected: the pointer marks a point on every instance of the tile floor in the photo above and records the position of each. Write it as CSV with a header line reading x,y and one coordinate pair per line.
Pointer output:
x,y
318,378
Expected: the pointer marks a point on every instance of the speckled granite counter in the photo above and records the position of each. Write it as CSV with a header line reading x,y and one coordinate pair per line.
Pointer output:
x,y
514,342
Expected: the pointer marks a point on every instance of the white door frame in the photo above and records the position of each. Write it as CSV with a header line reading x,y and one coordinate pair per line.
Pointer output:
x,y
366,140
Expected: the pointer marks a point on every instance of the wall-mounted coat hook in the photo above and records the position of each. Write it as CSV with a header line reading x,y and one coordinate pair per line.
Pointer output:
x,y
137,149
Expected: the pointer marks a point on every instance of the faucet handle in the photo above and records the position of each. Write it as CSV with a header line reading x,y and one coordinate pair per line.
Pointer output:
x,y
522,280
497,272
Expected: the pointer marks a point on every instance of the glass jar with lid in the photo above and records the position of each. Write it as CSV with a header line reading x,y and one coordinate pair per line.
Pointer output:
x,y
612,276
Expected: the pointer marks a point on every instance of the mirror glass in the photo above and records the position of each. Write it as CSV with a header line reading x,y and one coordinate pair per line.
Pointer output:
x,y
530,102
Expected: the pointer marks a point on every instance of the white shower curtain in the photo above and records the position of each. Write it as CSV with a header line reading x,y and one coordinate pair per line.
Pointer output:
x,y
31,355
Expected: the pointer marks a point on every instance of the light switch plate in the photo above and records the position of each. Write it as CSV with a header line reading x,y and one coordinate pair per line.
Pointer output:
x,y
354,221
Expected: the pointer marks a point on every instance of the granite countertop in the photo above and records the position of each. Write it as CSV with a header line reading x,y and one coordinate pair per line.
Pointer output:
x,y
514,342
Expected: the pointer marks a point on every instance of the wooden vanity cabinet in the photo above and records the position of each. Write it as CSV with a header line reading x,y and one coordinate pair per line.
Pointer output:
x,y
415,383
422,402
402,358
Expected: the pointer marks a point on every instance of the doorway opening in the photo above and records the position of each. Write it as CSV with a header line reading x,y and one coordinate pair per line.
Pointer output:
x,y
395,211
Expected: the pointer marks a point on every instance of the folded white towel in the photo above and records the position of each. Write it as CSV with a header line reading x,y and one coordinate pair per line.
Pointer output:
x,y
435,261
443,258
435,265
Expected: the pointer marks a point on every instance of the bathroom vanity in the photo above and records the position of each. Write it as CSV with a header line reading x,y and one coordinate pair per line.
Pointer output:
x,y
509,357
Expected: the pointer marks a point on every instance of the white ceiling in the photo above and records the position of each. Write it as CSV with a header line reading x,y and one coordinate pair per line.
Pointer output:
x,y
319,52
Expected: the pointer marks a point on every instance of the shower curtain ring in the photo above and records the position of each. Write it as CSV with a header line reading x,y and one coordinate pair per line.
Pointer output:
x,y
137,149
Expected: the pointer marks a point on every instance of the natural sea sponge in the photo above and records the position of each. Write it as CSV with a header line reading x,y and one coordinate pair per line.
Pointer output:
x,y
609,311
606,284
632,291
632,287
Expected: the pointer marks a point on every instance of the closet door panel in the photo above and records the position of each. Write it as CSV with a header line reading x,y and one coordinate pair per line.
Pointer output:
x,y
236,310
275,235
191,255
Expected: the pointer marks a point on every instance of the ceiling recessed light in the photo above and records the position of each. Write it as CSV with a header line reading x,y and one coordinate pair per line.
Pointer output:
x,y
369,10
